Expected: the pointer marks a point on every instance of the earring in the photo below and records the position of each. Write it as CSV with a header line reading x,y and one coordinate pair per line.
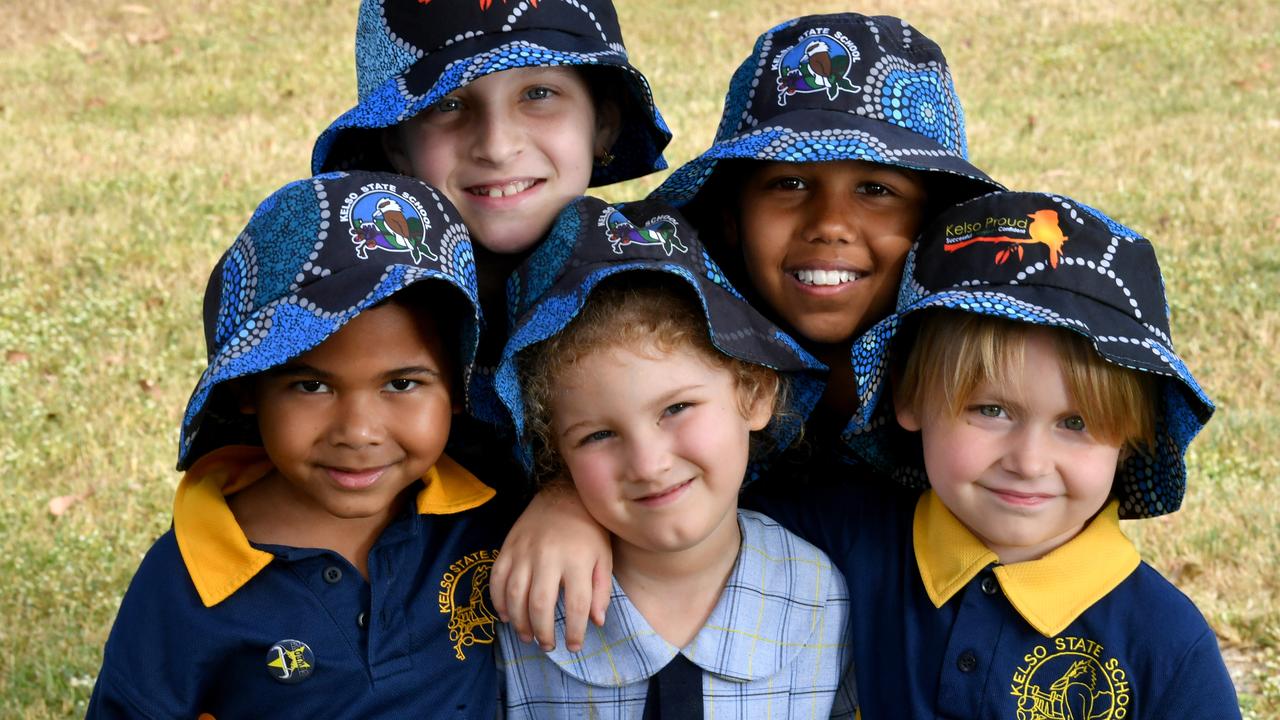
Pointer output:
x,y
604,159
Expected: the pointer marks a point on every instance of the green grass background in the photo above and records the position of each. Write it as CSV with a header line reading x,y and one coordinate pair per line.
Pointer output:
x,y
137,137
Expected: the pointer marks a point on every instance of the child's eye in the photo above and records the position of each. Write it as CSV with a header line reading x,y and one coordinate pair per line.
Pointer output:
x,y
400,385
594,437
310,387
874,188
991,411
676,408
789,182
539,92
1075,422
447,105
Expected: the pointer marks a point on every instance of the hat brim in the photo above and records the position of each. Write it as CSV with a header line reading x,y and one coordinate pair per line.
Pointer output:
x,y
354,139
812,135
1146,485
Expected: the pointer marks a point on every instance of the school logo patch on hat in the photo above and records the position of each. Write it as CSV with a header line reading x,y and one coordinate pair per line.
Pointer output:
x,y
662,231
382,219
1009,235
819,62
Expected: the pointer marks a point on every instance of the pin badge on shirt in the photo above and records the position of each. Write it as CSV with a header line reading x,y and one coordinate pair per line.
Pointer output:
x,y
290,661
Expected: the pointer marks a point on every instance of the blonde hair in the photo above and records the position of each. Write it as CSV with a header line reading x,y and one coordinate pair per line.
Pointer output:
x,y
954,352
641,315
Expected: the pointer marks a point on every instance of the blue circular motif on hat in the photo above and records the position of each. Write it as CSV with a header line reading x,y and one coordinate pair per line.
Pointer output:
x,y
290,661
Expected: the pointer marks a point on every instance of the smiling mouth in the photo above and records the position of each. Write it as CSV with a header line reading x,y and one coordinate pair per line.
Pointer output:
x,y
1020,498
826,278
659,498
355,479
515,187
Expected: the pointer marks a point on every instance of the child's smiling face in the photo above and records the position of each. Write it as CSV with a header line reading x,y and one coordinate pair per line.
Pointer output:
x,y
1017,465
354,421
510,150
656,443
823,243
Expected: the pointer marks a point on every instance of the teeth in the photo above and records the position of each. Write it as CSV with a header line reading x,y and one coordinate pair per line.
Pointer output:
x,y
825,277
496,191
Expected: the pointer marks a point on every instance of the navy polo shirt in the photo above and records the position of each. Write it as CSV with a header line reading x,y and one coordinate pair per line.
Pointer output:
x,y
214,624
942,630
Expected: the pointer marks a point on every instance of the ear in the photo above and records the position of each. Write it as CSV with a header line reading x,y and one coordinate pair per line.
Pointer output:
x,y
396,149
608,127
761,410
906,413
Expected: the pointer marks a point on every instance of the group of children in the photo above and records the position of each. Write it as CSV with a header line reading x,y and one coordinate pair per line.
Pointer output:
x,y
942,397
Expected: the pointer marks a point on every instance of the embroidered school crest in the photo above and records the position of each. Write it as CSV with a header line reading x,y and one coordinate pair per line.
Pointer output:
x,y
660,231
1070,678
1041,228
380,218
464,597
819,62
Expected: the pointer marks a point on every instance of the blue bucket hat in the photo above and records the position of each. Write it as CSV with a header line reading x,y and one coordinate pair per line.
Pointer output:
x,y
410,54
840,87
315,254
592,241
1046,260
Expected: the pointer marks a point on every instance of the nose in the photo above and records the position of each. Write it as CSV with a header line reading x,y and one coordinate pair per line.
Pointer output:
x,y
357,422
498,136
1029,454
832,217
649,458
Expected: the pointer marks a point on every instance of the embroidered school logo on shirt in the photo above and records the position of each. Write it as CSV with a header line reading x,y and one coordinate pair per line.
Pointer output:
x,y
819,62
1070,679
1040,228
379,218
659,231
464,597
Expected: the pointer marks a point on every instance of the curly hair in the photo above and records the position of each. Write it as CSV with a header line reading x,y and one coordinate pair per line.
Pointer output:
x,y
646,314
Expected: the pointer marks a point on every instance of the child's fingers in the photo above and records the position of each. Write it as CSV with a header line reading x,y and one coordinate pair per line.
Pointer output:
x,y
498,584
542,607
516,599
601,588
578,589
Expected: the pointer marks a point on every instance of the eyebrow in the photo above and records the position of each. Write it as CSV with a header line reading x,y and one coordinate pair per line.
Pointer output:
x,y
295,369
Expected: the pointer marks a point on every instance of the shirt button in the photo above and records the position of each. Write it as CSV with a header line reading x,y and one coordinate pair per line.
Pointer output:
x,y
332,574
989,585
362,621
967,662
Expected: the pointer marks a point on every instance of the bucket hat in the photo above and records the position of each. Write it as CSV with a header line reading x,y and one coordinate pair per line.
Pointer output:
x,y
410,54
1046,260
593,240
315,254
840,87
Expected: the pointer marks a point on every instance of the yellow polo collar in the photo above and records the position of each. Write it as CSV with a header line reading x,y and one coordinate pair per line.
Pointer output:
x,y
215,550
1049,593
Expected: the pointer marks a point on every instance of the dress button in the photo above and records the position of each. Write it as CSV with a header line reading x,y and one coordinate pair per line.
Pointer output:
x,y
967,662
362,621
989,585
332,574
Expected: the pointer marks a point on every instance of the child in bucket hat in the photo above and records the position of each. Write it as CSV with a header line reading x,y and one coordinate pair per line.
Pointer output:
x,y
840,133
318,509
510,110
1030,360
636,373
